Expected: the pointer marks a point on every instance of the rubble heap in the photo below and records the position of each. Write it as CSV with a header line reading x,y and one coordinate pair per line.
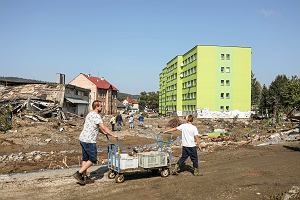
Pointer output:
x,y
37,102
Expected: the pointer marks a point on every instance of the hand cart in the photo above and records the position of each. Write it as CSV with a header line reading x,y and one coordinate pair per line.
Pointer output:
x,y
155,161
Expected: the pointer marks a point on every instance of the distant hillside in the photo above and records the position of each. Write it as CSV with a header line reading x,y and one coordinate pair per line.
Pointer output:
x,y
19,80
122,96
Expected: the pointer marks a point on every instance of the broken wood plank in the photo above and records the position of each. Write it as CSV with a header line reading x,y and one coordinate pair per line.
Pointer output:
x,y
41,118
31,117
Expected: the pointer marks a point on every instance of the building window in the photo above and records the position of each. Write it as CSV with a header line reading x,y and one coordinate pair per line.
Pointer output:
x,y
227,56
227,108
222,108
227,82
222,82
227,95
222,69
227,69
222,56
222,95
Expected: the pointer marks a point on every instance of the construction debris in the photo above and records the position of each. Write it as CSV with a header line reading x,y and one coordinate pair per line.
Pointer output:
x,y
293,193
285,136
37,102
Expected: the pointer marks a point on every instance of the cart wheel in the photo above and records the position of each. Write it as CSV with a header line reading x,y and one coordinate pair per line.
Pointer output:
x,y
119,178
111,175
165,173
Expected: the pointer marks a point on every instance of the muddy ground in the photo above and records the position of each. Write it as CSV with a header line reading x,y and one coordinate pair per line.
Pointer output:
x,y
229,172
232,173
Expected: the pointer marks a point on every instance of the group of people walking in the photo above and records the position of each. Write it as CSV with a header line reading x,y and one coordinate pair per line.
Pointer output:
x,y
117,121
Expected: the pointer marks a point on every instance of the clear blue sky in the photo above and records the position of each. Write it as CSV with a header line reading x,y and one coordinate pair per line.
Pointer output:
x,y
129,41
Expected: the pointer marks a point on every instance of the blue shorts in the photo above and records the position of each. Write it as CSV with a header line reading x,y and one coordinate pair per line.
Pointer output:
x,y
89,152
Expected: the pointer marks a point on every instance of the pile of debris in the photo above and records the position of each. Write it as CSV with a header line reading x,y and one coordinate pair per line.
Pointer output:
x,y
284,136
37,102
33,156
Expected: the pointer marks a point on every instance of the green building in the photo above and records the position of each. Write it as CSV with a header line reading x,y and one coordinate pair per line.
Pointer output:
x,y
207,80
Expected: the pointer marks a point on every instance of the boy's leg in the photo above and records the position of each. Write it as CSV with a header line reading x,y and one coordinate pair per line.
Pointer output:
x,y
184,156
194,158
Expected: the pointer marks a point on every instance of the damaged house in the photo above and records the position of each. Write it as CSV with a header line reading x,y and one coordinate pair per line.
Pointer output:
x,y
76,100
39,101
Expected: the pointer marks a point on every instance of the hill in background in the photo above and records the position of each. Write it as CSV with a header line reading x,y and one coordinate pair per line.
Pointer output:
x,y
122,96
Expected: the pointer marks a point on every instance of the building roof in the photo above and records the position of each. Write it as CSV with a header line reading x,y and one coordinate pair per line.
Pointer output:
x,y
101,83
132,101
18,81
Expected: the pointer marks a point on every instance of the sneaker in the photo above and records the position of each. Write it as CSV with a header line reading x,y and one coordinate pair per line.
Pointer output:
x,y
176,169
196,172
79,178
88,180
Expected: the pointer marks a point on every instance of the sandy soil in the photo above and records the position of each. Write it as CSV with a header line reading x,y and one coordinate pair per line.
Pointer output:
x,y
229,172
232,173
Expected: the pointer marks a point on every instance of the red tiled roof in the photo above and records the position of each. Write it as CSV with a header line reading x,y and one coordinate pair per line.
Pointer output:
x,y
101,83
132,101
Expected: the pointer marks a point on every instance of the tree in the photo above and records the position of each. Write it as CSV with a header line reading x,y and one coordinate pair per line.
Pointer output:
x,y
264,105
291,93
282,96
150,100
143,100
277,90
255,92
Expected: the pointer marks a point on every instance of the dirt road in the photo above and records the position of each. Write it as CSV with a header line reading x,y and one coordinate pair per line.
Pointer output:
x,y
233,173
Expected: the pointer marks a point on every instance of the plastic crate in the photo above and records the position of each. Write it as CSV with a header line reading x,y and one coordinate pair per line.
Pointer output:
x,y
126,161
153,159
